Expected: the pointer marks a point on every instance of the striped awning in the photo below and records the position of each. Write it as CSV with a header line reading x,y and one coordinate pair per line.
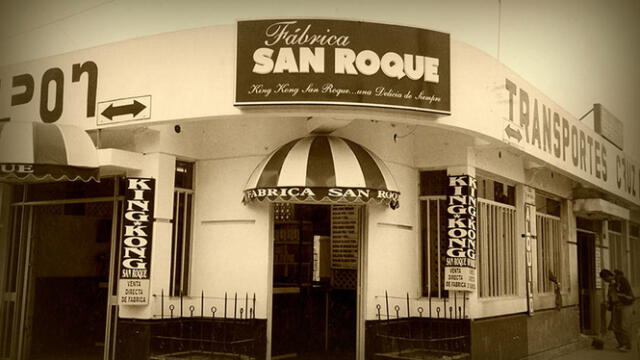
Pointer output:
x,y
38,152
322,169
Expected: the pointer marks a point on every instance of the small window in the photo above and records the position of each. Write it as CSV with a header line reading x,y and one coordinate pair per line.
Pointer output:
x,y
545,205
184,175
496,191
615,226
433,183
586,224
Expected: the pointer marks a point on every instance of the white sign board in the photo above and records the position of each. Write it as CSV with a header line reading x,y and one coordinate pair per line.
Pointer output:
x,y
120,110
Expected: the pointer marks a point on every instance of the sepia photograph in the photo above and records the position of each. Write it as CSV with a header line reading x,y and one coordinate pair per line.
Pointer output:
x,y
319,180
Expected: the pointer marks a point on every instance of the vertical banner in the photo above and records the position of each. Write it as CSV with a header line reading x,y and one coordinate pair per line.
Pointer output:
x,y
135,249
460,263
529,234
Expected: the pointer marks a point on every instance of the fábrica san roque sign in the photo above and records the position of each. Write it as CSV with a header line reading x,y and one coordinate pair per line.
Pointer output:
x,y
300,61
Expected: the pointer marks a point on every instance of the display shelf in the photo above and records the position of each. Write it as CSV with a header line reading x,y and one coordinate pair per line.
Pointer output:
x,y
293,252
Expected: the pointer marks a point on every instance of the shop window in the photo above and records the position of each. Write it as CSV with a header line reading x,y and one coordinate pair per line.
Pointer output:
x,y
433,217
617,246
634,240
182,223
497,254
548,242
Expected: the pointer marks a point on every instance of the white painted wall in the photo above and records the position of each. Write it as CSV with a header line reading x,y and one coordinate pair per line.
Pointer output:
x,y
231,240
393,258
230,251
231,244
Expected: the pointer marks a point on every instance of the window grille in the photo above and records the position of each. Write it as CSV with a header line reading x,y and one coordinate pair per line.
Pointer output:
x,y
634,240
181,232
617,247
434,244
549,250
497,254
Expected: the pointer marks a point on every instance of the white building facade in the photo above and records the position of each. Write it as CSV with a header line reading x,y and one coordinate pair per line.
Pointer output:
x,y
458,212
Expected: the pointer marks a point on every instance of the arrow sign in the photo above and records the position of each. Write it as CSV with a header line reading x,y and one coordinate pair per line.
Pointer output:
x,y
127,109
133,109
513,133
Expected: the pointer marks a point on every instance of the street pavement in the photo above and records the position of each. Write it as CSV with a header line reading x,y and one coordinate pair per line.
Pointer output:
x,y
609,352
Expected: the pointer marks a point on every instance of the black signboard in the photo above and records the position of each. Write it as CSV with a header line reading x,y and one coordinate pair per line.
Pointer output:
x,y
341,62
462,234
135,249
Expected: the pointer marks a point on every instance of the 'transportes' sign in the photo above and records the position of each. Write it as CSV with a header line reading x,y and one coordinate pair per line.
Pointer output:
x,y
342,63
135,254
460,262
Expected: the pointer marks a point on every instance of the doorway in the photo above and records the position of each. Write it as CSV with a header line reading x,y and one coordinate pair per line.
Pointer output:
x,y
587,277
69,279
316,253
63,250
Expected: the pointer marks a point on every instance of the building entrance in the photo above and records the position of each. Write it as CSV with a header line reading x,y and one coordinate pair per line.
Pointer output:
x,y
68,286
315,281
61,252
587,280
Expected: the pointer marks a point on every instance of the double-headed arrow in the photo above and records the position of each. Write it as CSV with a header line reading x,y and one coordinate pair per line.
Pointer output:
x,y
513,133
134,109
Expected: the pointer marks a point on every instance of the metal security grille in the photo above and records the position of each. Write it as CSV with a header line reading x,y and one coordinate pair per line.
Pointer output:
x,y
406,328
181,241
496,249
634,240
206,327
549,248
434,244
618,251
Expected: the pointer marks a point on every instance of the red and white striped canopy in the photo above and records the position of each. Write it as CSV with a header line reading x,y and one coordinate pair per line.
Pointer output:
x,y
38,152
324,169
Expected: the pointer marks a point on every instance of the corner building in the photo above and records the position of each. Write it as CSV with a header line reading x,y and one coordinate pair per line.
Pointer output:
x,y
240,192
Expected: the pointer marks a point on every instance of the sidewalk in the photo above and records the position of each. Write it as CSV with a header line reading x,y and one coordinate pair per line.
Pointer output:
x,y
609,352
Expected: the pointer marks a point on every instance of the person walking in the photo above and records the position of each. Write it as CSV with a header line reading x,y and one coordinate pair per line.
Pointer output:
x,y
619,300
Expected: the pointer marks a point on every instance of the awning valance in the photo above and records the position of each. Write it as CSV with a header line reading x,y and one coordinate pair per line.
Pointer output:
x,y
322,169
38,152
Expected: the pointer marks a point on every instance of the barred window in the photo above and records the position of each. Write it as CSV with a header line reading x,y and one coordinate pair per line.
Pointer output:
x,y
617,246
497,254
181,234
549,242
634,240
433,217
433,213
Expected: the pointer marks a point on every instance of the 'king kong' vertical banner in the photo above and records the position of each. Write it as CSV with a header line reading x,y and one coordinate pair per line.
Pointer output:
x,y
135,249
460,264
